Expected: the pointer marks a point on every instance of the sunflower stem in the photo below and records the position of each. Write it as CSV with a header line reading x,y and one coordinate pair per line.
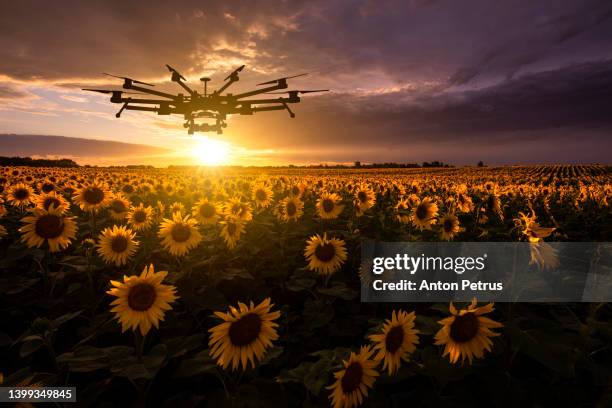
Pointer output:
x,y
139,341
93,224
51,350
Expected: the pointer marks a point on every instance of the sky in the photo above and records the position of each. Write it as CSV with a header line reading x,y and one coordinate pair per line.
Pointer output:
x,y
458,81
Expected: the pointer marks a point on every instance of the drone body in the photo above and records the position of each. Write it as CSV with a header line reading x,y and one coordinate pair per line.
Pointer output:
x,y
194,106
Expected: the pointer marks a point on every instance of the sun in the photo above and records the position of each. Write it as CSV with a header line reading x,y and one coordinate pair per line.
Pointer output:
x,y
210,152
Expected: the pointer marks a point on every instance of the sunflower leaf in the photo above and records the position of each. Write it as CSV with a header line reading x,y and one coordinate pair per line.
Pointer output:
x,y
339,290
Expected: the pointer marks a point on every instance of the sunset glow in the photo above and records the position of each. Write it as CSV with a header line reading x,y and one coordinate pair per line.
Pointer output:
x,y
210,152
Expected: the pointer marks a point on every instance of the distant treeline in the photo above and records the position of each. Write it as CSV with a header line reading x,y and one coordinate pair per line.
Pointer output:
x,y
28,161
358,165
387,165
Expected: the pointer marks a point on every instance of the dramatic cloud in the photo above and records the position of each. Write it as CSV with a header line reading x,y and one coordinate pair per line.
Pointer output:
x,y
429,77
11,92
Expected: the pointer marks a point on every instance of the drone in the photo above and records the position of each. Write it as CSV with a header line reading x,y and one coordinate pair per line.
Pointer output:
x,y
195,106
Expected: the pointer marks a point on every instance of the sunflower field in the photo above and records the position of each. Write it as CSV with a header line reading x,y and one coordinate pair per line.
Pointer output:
x,y
240,287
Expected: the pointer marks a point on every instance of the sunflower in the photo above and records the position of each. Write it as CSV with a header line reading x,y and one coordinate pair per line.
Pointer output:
x,y
424,214
365,198
353,381
449,227
127,188
324,255
142,301
140,218
50,226
92,197
328,206
46,186
397,340
231,231
290,208
160,208
207,212
119,206
402,208
262,195
467,333
543,255
244,336
52,199
532,229
116,244
490,187
297,190
20,195
492,203
236,208
177,207
179,235
464,203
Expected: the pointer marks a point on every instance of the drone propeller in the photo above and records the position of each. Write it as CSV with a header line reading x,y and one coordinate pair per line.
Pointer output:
x,y
174,71
300,91
108,91
281,79
234,72
128,79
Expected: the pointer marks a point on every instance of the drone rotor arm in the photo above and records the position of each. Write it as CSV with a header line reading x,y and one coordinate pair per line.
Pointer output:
x,y
154,92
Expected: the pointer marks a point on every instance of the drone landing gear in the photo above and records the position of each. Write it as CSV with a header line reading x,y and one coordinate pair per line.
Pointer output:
x,y
118,114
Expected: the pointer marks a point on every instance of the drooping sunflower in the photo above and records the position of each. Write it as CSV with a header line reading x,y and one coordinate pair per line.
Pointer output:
x,y
232,230
290,208
160,210
543,255
402,208
205,211
532,229
492,204
20,195
52,199
324,255
117,244
424,214
262,195
467,333
140,218
142,301
354,380
449,227
92,197
244,336
49,226
464,201
365,198
180,234
397,341
118,206
328,206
